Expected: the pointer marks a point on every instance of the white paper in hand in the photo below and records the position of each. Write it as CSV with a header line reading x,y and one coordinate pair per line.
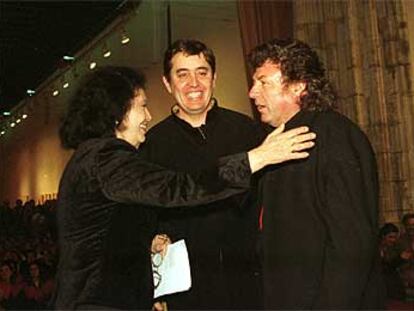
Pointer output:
x,y
173,274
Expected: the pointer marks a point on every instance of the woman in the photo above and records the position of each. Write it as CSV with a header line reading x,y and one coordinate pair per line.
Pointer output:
x,y
105,229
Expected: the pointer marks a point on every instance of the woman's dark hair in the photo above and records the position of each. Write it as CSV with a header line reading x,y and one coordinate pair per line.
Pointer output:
x,y
298,63
99,104
188,47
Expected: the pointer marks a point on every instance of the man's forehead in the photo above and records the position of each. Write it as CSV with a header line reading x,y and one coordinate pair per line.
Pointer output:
x,y
183,60
268,68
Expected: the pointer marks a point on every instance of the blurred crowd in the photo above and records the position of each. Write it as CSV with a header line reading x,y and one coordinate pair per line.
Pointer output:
x,y
397,255
28,254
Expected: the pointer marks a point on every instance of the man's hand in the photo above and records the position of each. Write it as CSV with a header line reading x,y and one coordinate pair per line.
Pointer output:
x,y
282,146
160,244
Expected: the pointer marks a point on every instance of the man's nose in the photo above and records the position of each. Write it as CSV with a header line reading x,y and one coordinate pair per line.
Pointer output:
x,y
193,80
253,91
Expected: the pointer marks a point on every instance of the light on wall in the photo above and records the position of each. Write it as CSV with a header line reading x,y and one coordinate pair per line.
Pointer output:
x,y
105,51
55,93
30,92
124,37
66,85
92,65
68,58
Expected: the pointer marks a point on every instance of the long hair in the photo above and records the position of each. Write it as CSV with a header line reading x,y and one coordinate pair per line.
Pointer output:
x,y
99,104
298,63
188,47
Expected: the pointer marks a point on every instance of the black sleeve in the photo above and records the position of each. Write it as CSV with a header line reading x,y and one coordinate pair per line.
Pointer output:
x,y
126,177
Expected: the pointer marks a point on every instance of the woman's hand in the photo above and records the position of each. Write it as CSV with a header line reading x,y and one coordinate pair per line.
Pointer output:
x,y
282,146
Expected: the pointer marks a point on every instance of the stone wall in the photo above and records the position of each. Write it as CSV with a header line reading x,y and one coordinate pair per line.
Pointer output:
x,y
366,47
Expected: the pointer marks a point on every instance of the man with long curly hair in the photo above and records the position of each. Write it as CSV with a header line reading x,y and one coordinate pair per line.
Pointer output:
x,y
319,215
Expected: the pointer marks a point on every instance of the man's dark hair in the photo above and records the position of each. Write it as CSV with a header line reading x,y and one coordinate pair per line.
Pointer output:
x,y
406,217
188,47
298,63
101,101
388,228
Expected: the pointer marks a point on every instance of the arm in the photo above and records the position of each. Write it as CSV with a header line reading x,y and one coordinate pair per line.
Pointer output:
x,y
125,177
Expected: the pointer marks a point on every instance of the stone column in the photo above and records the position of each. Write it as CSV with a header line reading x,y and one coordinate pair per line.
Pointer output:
x,y
365,46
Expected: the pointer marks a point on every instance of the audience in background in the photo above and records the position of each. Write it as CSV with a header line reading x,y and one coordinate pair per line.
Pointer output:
x,y
10,287
28,256
27,240
405,246
38,288
389,234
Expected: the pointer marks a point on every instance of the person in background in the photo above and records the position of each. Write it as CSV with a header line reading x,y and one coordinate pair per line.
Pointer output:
x,y
38,287
108,194
390,259
320,215
9,287
405,246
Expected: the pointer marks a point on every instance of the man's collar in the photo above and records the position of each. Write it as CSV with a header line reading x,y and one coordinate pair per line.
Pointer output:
x,y
210,113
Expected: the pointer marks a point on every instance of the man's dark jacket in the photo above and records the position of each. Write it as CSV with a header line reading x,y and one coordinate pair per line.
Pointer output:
x,y
106,220
320,222
221,236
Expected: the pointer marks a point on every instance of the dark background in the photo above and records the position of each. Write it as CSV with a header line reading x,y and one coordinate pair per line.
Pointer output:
x,y
35,35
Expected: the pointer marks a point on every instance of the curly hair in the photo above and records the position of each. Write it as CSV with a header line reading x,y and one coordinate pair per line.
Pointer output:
x,y
188,47
298,63
99,104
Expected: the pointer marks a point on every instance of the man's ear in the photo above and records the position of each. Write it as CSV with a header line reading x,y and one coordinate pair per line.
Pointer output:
x,y
298,88
214,79
166,84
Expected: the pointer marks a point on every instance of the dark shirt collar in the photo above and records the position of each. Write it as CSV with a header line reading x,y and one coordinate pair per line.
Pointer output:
x,y
211,114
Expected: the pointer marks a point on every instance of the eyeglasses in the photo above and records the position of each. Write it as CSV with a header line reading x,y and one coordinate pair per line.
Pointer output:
x,y
156,262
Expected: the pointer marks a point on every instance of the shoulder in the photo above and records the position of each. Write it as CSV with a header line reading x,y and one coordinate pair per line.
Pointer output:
x,y
164,125
87,152
337,124
234,116
162,128
340,134
93,146
235,123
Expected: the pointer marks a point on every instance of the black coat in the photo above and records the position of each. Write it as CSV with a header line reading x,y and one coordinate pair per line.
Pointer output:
x,y
320,222
105,237
221,236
